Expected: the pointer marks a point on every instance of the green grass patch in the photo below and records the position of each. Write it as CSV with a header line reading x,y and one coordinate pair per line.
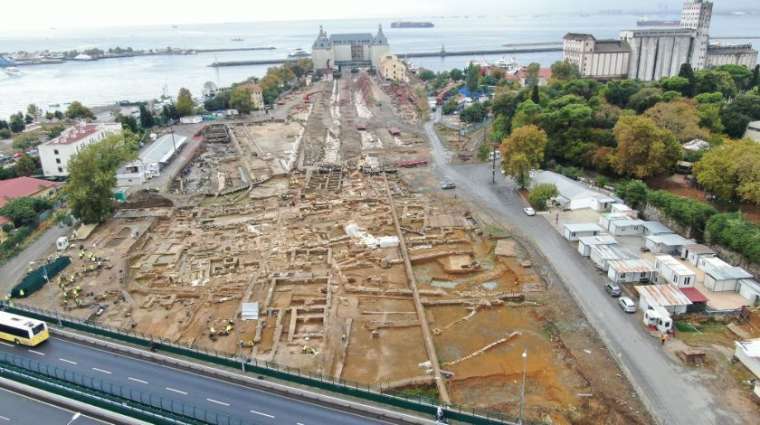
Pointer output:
x,y
427,393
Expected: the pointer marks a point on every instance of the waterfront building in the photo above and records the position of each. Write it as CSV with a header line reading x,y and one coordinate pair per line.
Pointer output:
x,y
654,53
606,59
657,53
55,154
394,69
737,54
339,50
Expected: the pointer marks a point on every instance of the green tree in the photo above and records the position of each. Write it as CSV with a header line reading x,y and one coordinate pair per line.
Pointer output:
x,y
730,171
240,99
676,83
540,194
92,177
78,111
645,99
633,192
128,122
55,131
680,117
644,149
737,114
450,106
755,76
17,123
24,211
25,141
535,96
33,110
741,74
456,74
532,78
473,77
184,103
687,72
474,113
523,151
27,166
705,98
620,92
527,113
146,117
709,117
565,71
426,75
710,80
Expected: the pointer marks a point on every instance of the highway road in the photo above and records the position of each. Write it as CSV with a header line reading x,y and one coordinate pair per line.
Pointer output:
x,y
17,409
252,406
672,393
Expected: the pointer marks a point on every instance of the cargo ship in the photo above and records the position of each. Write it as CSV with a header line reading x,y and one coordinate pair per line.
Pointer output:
x,y
407,24
657,23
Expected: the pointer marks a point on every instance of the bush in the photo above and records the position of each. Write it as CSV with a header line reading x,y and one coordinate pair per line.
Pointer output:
x,y
450,106
540,194
5,133
686,212
633,192
732,231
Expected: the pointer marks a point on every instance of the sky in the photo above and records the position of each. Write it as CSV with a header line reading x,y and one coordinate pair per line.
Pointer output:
x,y
18,15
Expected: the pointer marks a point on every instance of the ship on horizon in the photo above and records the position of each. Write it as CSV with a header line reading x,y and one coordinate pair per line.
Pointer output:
x,y
410,24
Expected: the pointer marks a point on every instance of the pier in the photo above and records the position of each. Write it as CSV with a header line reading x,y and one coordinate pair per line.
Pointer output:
x,y
518,48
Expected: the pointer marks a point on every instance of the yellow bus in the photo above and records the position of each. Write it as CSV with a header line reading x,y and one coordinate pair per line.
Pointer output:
x,y
22,330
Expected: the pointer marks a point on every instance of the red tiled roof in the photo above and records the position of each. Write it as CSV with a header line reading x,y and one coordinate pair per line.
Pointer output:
x,y
694,295
21,187
74,135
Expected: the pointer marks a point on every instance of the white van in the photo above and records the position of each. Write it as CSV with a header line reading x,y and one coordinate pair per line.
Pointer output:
x,y
659,318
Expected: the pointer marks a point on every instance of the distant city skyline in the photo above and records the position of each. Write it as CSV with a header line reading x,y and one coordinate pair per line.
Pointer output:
x,y
94,13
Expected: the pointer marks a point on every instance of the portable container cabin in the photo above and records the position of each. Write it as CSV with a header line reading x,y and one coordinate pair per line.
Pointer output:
x,y
692,253
672,271
585,243
601,255
750,290
668,297
671,244
721,276
634,270
574,231
655,228
607,218
627,227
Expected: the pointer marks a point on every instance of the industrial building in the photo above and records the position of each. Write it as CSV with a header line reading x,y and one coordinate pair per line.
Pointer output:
x,y
339,50
649,54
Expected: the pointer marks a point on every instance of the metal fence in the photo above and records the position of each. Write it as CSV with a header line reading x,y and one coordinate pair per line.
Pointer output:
x,y
108,395
270,369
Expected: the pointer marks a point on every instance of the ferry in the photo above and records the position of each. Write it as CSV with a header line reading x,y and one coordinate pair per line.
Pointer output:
x,y
299,54
509,65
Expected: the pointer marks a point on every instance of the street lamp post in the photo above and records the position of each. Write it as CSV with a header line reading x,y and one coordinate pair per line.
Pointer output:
x,y
522,390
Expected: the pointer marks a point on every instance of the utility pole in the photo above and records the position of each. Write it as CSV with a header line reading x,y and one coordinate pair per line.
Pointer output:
x,y
522,390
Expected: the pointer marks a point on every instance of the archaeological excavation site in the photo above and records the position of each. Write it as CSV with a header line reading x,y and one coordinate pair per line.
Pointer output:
x,y
319,240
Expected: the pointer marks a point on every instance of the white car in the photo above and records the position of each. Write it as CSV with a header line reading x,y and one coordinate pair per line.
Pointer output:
x,y
529,211
627,304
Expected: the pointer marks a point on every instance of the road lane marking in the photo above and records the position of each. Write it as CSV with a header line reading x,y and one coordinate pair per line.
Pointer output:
x,y
137,380
68,361
299,423
217,402
262,414
107,372
5,419
37,353
176,391
6,344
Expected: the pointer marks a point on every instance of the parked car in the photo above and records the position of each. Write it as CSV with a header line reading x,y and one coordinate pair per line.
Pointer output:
x,y
613,289
446,185
627,304
529,211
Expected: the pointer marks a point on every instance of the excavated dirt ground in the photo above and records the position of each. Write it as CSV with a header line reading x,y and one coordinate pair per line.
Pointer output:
x,y
317,250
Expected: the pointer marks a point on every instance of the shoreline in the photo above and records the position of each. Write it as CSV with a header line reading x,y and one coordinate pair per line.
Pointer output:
x,y
174,52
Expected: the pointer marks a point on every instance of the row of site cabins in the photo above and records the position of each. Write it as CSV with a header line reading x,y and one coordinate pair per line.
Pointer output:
x,y
597,241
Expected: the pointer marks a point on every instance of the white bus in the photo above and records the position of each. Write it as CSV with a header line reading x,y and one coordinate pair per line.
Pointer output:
x,y
22,330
